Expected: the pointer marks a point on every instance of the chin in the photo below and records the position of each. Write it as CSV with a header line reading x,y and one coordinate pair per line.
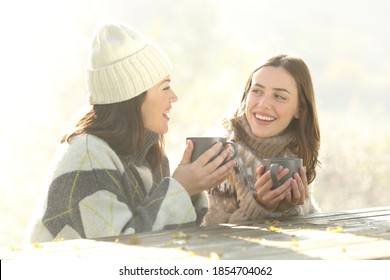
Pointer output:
x,y
263,134
163,131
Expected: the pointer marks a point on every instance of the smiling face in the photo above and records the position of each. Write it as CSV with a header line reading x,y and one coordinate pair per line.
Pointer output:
x,y
272,101
156,106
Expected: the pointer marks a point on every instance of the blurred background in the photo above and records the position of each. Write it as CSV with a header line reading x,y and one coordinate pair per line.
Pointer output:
x,y
213,45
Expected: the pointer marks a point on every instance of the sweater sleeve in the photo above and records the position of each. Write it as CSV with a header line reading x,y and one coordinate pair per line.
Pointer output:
x,y
167,205
248,208
222,202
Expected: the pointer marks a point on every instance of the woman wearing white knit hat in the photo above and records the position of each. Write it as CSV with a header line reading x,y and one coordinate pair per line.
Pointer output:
x,y
111,175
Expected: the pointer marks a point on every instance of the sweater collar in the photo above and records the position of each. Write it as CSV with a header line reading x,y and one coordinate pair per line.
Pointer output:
x,y
150,139
262,147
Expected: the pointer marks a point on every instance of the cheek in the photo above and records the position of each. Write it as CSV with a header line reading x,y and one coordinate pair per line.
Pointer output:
x,y
289,116
248,103
292,110
147,114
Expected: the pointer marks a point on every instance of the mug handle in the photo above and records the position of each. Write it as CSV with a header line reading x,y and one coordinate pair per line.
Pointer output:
x,y
273,170
235,150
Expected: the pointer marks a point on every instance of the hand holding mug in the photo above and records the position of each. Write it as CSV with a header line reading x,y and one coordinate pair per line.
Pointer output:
x,y
272,164
281,183
208,170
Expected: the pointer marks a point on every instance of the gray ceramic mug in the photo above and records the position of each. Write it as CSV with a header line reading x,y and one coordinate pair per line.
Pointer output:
x,y
202,144
272,164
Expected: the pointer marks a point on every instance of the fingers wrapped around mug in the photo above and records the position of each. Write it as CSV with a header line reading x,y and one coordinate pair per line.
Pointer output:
x,y
203,173
205,148
268,197
300,187
298,193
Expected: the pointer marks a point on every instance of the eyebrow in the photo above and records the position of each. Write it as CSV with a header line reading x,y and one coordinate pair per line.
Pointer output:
x,y
163,82
277,89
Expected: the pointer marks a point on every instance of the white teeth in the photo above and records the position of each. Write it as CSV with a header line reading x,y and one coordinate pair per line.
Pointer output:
x,y
264,118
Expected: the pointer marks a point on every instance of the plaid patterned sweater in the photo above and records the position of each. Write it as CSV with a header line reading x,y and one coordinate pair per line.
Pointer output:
x,y
94,193
233,200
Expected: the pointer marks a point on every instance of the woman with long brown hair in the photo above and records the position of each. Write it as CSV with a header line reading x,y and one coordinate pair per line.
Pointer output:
x,y
277,117
111,175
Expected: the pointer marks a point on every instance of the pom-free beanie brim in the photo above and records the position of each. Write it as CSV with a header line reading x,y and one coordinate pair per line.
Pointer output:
x,y
123,65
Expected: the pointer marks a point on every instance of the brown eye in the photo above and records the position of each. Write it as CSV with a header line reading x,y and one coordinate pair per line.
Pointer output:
x,y
280,97
256,91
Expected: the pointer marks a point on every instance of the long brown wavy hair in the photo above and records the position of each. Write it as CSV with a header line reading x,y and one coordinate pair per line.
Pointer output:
x,y
307,137
121,126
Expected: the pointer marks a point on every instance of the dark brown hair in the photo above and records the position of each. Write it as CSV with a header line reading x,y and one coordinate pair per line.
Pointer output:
x,y
121,126
307,137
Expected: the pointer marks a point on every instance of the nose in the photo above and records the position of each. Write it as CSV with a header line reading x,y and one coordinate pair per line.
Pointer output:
x,y
264,102
173,97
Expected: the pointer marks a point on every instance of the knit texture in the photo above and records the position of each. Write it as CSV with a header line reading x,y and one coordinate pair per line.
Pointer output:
x,y
234,199
94,193
123,64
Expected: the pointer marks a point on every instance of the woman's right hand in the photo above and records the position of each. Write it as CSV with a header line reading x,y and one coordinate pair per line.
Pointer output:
x,y
201,174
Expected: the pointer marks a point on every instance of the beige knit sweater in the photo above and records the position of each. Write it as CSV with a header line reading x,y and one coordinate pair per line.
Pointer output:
x,y
234,199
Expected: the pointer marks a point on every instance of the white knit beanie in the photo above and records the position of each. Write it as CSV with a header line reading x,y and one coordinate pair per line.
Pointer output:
x,y
123,64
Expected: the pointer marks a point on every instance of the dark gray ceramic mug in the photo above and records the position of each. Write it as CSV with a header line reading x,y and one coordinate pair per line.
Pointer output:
x,y
272,164
202,144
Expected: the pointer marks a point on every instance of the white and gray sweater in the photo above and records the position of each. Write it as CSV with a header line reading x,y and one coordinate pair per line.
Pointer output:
x,y
234,199
94,193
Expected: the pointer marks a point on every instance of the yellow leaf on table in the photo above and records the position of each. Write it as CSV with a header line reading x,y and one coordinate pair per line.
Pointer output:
x,y
37,245
180,234
336,229
214,256
133,240
272,228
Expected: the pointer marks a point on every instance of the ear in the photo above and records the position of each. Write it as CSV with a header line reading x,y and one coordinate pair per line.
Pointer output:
x,y
297,115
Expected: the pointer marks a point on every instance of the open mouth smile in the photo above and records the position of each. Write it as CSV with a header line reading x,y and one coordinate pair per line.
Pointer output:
x,y
166,114
265,118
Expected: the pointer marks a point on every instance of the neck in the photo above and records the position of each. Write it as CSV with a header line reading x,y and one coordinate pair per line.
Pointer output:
x,y
275,146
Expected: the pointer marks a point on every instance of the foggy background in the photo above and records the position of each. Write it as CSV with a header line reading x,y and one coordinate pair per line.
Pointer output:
x,y
213,45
